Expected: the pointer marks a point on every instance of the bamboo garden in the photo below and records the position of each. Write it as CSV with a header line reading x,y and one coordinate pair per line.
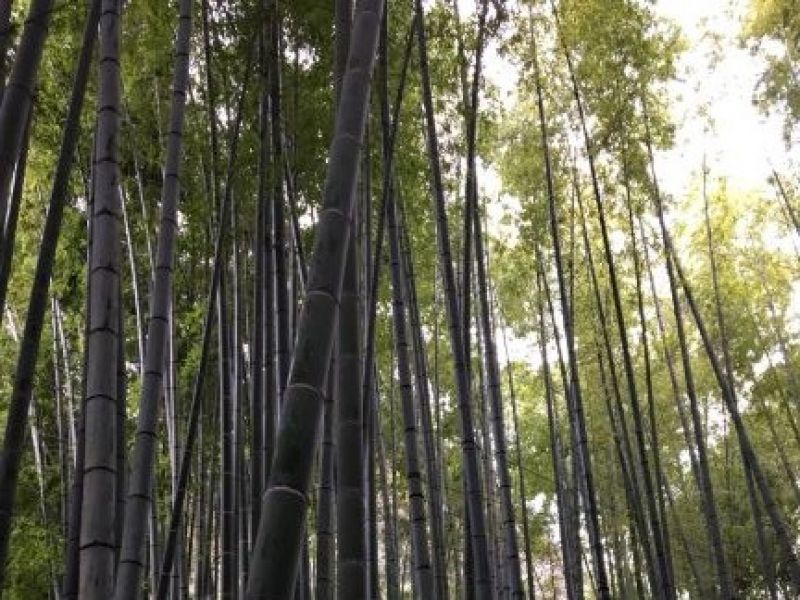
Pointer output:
x,y
409,299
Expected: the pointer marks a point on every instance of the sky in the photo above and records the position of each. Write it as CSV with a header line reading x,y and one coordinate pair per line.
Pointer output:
x,y
743,144
711,100
717,74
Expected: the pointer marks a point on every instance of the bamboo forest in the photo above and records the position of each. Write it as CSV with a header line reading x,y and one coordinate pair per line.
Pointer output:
x,y
420,299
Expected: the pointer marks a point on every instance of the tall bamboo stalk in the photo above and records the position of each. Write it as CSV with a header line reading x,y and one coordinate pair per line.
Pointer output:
x,y
198,389
511,545
140,489
468,446
99,470
423,571
276,552
575,398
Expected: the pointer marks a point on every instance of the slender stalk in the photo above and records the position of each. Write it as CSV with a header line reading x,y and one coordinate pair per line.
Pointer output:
x,y
282,308
469,448
511,545
37,304
432,457
523,502
423,572
199,382
326,515
654,443
564,495
8,237
619,422
576,401
140,485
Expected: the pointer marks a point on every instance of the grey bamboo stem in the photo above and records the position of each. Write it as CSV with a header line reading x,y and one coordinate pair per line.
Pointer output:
x,y
98,528
275,558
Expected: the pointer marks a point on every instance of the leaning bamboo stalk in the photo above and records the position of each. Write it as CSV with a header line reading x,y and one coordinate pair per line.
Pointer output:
x,y
662,587
38,300
17,98
648,374
749,455
276,553
575,400
619,423
469,448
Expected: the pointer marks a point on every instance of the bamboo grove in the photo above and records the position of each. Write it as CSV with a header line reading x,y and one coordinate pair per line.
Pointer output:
x,y
296,304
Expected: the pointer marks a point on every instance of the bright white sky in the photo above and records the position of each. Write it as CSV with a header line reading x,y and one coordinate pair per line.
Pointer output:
x,y
712,108
717,74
